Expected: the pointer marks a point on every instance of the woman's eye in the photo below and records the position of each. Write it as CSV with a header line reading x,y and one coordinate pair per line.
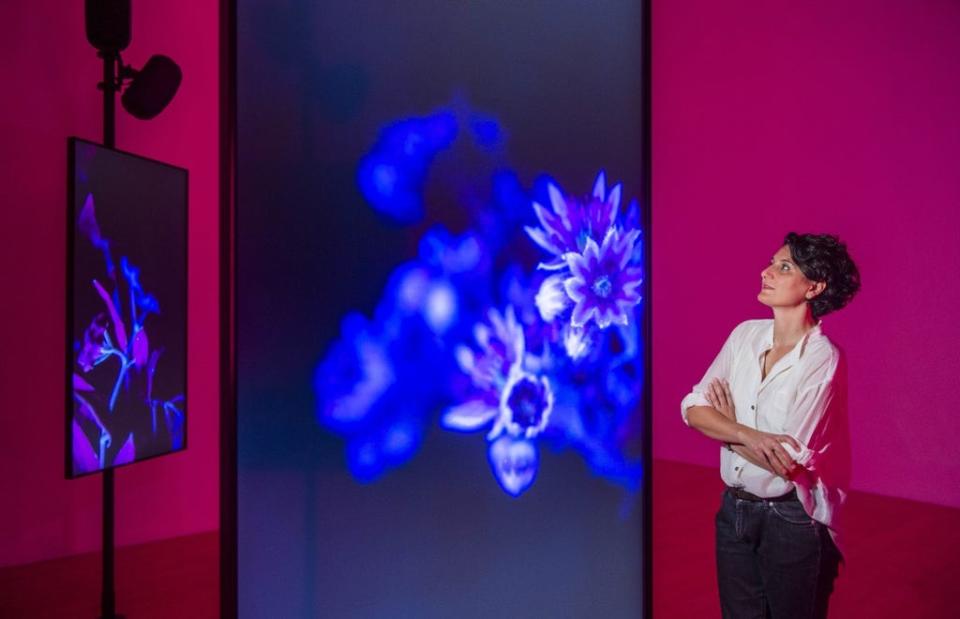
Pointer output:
x,y
785,267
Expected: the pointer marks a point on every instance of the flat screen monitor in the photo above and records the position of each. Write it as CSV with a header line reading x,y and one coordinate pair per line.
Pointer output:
x,y
126,308
440,309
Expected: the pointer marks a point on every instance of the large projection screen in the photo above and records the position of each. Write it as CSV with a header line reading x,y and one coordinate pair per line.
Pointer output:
x,y
126,375
440,309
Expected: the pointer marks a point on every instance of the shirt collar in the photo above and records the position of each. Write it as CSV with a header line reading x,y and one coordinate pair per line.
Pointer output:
x,y
789,359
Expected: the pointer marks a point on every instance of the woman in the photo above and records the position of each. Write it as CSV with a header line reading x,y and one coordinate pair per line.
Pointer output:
x,y
775,397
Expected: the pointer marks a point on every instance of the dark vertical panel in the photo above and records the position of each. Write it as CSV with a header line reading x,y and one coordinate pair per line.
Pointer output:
x,y
227,298
646,199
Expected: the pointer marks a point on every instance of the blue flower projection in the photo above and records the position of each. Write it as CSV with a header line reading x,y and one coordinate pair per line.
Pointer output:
x,y
475,336
393,175
117,333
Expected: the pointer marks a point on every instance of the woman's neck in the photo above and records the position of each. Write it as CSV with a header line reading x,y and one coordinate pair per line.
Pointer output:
x,y
791,324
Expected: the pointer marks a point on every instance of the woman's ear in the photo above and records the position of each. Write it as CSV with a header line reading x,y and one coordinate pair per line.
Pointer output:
x,y
816,289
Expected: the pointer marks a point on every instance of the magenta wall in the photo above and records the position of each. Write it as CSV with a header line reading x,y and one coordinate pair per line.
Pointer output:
x,y
817,116
49,73
841,117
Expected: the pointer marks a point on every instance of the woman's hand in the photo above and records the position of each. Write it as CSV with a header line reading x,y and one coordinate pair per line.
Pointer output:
x,y
720,398
766,447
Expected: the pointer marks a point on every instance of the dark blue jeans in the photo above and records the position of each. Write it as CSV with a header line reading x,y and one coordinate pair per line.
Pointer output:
x,y
773,560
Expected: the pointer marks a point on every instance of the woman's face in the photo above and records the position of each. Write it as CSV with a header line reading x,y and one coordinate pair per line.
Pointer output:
x,y
783,284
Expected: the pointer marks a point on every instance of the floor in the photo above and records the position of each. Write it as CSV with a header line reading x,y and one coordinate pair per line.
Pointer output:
x,y
170,579
903,561
903,557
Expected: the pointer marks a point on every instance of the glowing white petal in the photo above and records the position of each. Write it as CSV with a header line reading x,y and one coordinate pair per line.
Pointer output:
x,y
468,416
552,299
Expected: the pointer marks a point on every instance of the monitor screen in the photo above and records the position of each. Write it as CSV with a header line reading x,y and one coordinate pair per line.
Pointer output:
x,y
126,308
439,309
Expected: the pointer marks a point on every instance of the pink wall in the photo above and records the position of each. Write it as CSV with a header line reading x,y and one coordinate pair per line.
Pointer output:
x,y
815,116
50,72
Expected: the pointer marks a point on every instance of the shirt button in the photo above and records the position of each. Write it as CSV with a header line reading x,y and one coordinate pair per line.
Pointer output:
x,y
753,407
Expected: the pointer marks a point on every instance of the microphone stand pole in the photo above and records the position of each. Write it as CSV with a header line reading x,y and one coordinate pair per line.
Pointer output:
x,y
108,595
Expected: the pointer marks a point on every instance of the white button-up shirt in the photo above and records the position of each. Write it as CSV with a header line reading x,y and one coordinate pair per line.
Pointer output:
x,y
803,395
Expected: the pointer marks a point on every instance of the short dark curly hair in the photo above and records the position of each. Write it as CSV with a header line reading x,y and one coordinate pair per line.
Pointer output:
x,y
823,258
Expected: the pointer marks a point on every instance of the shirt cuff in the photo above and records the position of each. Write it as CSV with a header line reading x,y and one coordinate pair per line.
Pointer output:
x,y
801,457
692,399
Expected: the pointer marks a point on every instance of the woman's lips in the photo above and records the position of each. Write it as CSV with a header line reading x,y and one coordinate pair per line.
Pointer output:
x,y
765,287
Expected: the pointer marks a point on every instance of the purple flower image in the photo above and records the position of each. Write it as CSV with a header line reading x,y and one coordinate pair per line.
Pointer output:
x,y
355,375
357,385
392,176
603,285
514,462
525,405
511,403
571,222
128,396
598,268
513,399
475,335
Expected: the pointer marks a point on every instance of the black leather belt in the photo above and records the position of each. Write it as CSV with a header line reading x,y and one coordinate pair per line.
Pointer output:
x,y
740,493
